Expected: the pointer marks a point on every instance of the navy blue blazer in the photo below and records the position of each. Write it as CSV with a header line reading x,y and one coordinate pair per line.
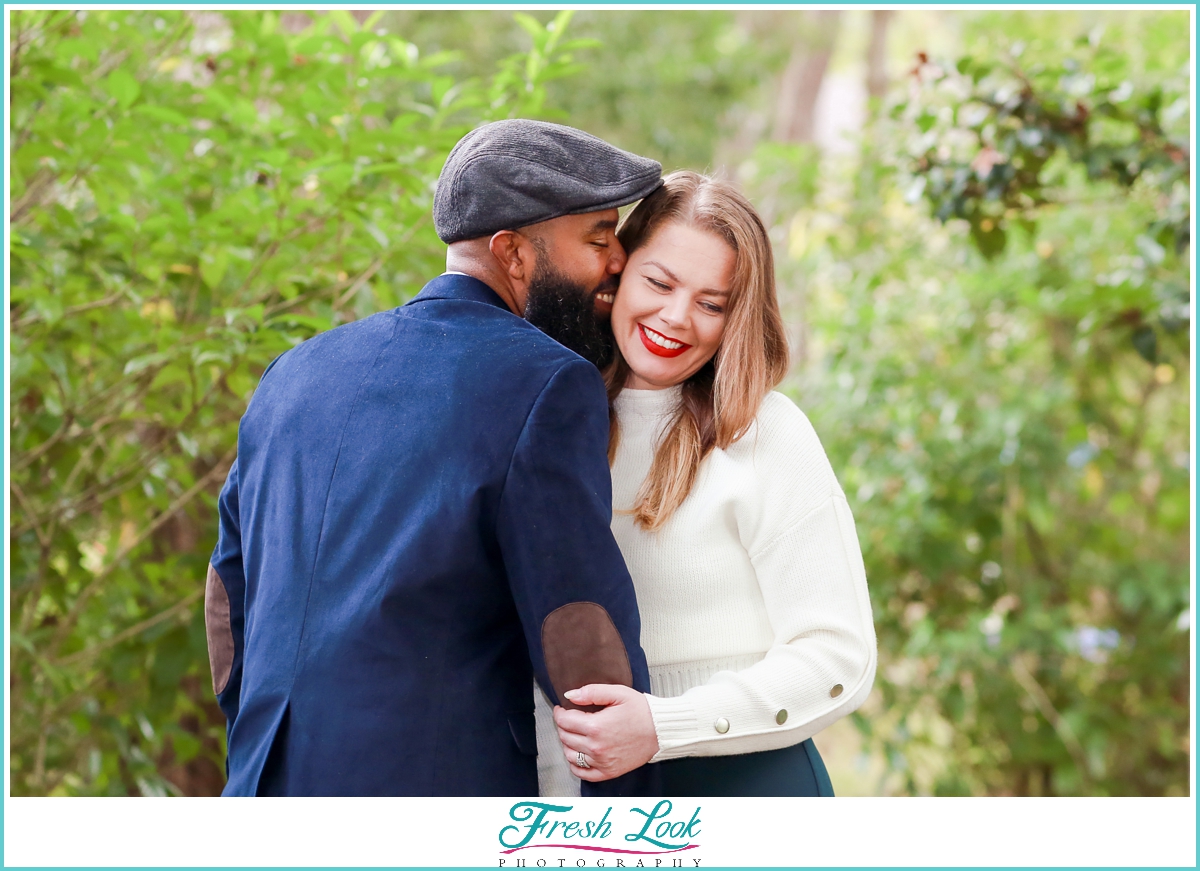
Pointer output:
x,y
414,494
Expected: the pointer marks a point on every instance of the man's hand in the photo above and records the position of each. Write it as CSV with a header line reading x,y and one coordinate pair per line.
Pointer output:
x,y
613,741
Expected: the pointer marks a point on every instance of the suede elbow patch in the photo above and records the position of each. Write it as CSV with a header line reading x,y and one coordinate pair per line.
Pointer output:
x,y
219,629
582,646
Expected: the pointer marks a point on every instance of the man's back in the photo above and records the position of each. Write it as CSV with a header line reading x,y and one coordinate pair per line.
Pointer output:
x,y
414,493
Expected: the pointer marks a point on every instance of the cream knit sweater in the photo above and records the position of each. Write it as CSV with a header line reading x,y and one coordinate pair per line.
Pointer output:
x,y
755,616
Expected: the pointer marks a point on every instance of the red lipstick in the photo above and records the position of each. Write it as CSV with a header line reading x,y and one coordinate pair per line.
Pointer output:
x,y
656,349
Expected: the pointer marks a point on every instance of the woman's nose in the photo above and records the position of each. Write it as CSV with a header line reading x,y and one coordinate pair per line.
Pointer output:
x,y
674,310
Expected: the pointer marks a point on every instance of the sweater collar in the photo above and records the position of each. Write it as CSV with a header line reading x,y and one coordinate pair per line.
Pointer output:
x,y
648,403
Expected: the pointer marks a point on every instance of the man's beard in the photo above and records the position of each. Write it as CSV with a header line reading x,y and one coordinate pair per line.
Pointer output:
x,y
565,310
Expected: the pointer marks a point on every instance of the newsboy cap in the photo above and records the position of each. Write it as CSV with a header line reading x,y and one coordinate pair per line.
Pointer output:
x,y
510,174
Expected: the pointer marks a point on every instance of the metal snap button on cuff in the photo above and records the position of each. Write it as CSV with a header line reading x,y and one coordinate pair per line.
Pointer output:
x,y
722,725
781,717
836,691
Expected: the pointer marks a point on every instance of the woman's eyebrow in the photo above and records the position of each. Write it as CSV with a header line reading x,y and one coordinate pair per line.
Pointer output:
x,y
671,275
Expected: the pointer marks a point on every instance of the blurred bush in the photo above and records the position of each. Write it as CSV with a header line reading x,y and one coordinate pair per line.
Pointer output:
x,y
192,194
996,296
662,83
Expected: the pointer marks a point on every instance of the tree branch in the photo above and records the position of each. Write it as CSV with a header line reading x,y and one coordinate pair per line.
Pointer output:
x,y
33,317
89,652
27,507
273,249
360,281
42,179
72,617
1041,556
1046,707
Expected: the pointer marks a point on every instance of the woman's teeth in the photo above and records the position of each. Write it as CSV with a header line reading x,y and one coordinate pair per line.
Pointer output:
x,y
662,341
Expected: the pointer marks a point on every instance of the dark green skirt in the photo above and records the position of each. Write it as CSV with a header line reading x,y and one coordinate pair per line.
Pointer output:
x,y
796,770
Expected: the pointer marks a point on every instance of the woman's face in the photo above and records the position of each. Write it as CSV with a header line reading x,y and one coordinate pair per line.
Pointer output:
x,y
669,314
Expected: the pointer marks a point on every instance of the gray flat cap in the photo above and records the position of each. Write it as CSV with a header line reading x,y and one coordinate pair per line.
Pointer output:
x,y
514,173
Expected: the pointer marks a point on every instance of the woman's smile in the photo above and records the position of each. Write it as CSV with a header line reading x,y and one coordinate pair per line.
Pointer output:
x,y
657,343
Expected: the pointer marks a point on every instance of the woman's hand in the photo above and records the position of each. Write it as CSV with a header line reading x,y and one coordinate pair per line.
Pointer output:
x,y
613,741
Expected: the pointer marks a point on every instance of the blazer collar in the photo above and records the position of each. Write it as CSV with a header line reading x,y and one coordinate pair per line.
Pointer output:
x,y
459,287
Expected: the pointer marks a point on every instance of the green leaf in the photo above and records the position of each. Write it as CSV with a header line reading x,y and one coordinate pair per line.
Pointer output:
x,y
1145,340
63,76
990,242
377,234
213,263
123,87
344,21
373,19
162,113
580,43
50,307
295,320
169,375
530,25
557,28
140,364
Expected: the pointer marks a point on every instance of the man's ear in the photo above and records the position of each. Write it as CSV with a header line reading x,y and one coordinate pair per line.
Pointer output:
x,y
514,254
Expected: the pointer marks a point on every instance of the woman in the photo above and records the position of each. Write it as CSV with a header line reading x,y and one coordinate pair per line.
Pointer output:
x,y
755,616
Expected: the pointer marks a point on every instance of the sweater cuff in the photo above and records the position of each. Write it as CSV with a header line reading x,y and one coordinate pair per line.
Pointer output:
x,y
674,723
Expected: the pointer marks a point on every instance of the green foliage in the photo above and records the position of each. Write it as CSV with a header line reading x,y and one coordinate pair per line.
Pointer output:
x,y
994,138
192,194
997,145
1015,455
668,83
662,83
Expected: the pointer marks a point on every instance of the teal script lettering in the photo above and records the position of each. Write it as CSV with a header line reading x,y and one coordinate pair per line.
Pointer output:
x,y
525,811
658,826
535,816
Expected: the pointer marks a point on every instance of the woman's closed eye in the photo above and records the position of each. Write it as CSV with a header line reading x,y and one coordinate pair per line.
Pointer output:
x,y
658,285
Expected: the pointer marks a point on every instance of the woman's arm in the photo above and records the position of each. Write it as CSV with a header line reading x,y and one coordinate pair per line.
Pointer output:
x,y
821,665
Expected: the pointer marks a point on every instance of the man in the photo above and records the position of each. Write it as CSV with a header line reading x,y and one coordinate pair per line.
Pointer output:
x,y
418,519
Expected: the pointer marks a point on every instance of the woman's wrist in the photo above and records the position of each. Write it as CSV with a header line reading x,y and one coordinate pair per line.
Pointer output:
x,y
675,722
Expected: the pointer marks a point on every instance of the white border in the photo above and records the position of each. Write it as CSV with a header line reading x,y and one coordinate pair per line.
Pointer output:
x,y
851,832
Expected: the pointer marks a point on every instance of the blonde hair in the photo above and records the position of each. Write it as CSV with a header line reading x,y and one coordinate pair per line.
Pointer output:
x,y
721,400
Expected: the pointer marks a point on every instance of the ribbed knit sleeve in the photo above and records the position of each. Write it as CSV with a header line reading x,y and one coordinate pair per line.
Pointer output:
x,y
797,529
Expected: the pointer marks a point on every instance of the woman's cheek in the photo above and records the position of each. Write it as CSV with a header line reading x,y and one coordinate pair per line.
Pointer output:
x,y
623,323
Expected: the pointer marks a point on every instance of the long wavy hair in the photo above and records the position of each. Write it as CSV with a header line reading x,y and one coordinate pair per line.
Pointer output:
x,y
720,401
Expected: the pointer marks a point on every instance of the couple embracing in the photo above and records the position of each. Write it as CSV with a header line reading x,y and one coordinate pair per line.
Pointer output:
x,y
547,522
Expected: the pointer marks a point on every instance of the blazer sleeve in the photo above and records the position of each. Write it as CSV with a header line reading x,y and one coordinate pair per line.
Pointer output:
x,y
225,596
225,602
568,579
821,664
